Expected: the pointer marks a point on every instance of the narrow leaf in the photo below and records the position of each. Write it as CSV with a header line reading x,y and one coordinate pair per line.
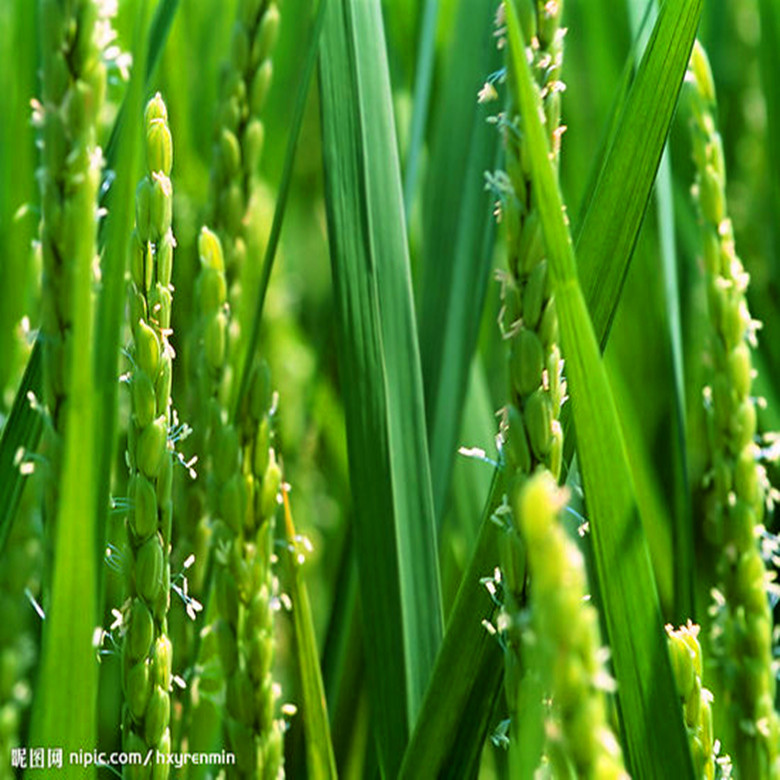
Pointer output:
x,y
422,94
769,54
770,60
456,712
380,372
609,230
649,703
65,707
343,657
18,189
683,562
458,236
321,762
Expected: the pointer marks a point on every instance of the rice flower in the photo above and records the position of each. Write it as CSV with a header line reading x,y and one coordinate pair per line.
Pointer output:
x,y
240,132
244,583
213,350
696,700
530,429
564,632
528,318
242,483
209,348
736,484
147,652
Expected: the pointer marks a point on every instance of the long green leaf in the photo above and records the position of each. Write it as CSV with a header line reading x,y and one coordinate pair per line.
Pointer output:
x,y
649,702
321,763
597,80
18,68
18,223
65,707
610,227
343,657
456,712
614,211
682,525
619,95
66,703
422,94
770,56
647,486
380,372
770,61
458,237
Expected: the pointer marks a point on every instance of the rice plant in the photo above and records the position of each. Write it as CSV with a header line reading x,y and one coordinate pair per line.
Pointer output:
x,y
446,446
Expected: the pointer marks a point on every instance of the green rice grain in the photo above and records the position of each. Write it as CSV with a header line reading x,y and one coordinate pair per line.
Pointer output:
x,y
566,641
736,484
240,132
146,653
686,655
245,589
530,428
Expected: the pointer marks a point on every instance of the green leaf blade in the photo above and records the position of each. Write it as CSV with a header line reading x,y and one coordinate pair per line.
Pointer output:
x,y
610,226
466,680
649,704
320,759
458,237
380,370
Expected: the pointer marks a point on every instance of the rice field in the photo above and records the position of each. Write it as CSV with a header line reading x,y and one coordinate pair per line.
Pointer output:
x,y
388,389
